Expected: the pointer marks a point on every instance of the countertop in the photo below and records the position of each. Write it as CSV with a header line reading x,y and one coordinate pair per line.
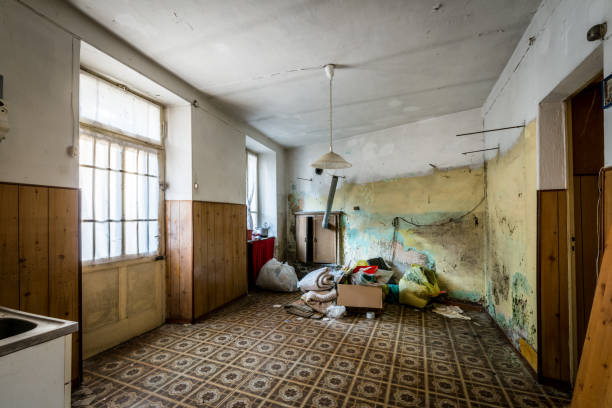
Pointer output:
x,y
47,328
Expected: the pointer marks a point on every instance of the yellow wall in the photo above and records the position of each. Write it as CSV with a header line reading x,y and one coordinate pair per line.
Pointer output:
x,y
121,300
511,253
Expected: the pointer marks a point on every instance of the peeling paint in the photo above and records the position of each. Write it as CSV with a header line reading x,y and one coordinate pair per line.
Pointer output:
x,y
454,248
512,239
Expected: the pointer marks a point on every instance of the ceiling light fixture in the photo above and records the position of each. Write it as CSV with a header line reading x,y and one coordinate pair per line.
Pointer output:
x,y
330,160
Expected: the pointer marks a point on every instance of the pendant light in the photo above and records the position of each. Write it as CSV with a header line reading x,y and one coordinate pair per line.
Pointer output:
x,y
330,160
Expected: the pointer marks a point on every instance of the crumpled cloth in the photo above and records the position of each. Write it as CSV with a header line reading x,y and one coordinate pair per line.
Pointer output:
x,y
320,279
320,300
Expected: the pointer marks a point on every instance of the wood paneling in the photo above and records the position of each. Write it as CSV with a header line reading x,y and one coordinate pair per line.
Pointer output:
x,y
586,247
211,245
34,249
179,250
9,246
594,381
39,253
64,260
553,315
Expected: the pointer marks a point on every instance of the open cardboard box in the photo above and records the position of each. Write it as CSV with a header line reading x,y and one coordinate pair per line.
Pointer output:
x,y
361,297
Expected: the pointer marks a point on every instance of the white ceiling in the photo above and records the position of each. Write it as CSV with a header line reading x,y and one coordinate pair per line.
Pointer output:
x,y
399,60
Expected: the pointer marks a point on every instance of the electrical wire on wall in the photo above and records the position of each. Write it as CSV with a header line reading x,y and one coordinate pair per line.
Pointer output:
x,y
398,219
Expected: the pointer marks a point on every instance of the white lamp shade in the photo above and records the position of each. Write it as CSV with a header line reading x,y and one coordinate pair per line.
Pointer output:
x,y
331,160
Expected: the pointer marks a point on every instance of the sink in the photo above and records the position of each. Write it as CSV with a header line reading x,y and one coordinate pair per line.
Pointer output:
x,y
11,327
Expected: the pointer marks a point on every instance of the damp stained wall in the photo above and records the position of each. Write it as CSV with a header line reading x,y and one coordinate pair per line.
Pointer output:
x,y
391,177
511,250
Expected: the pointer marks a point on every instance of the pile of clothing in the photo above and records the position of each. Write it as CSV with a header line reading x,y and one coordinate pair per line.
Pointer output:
x,y
319,293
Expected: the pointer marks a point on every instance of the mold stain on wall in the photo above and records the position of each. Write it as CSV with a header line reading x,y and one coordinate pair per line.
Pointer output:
x,y
512,239
456,247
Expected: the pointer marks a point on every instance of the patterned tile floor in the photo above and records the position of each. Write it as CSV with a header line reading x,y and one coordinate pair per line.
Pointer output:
x,y
252,354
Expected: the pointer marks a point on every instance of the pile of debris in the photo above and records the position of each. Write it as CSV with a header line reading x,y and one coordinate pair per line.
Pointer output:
x,y
365,287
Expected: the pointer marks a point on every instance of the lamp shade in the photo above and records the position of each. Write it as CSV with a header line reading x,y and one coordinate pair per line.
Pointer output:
x,y
331,160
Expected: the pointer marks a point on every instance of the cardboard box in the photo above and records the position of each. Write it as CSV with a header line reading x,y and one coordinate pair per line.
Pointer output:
x,y
359,296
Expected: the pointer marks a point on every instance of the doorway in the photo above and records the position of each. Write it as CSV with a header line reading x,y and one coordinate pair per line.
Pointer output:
x,y
587,158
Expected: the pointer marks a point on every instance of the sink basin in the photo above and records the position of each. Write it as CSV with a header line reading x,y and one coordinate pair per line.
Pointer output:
x,y
11,327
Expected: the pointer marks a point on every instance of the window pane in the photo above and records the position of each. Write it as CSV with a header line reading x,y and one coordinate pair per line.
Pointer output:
x,y
102,240
153,236
131,191
252,182
255,219
143,237
101,195
115,196
154,122
143,197
86,150
142,162
130,159
86,241
88,97
153,164
115,239
86,185
101,153
131,238
153,197
115,157
110,106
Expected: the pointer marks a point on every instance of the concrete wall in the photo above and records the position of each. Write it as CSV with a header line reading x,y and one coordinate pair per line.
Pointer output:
x,y
544,68
38,62
392,177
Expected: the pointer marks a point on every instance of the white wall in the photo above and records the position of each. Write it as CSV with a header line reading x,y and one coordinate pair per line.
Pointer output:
x,y
83,27
39,63
219,159
533,72
401,151
178,153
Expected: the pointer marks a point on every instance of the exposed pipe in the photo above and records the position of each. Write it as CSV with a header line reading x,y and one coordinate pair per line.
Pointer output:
x,y
330,201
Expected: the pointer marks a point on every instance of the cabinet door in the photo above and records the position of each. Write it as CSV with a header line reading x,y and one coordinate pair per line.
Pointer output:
x,y
325,239
301,237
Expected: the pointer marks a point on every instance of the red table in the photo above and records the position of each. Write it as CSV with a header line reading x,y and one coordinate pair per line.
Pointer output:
x,y
259,252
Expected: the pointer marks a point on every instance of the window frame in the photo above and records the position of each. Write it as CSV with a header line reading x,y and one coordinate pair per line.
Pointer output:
x,y
257,185
98,131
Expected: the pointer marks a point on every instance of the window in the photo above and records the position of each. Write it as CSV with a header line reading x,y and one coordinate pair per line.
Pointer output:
x,y
119,173
252,191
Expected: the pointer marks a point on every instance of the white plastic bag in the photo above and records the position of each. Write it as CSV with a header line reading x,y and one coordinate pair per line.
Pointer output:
x,y
277,276
336,312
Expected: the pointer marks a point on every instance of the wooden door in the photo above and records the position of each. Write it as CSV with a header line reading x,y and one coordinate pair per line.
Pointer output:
x,y
587,160
301,237
553,306
325,240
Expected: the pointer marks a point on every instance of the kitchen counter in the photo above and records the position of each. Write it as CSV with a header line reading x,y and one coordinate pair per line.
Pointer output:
x,y
46,329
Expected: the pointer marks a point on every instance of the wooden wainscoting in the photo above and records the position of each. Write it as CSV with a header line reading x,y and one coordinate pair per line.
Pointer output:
x,y
39,253
206,248
553,306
